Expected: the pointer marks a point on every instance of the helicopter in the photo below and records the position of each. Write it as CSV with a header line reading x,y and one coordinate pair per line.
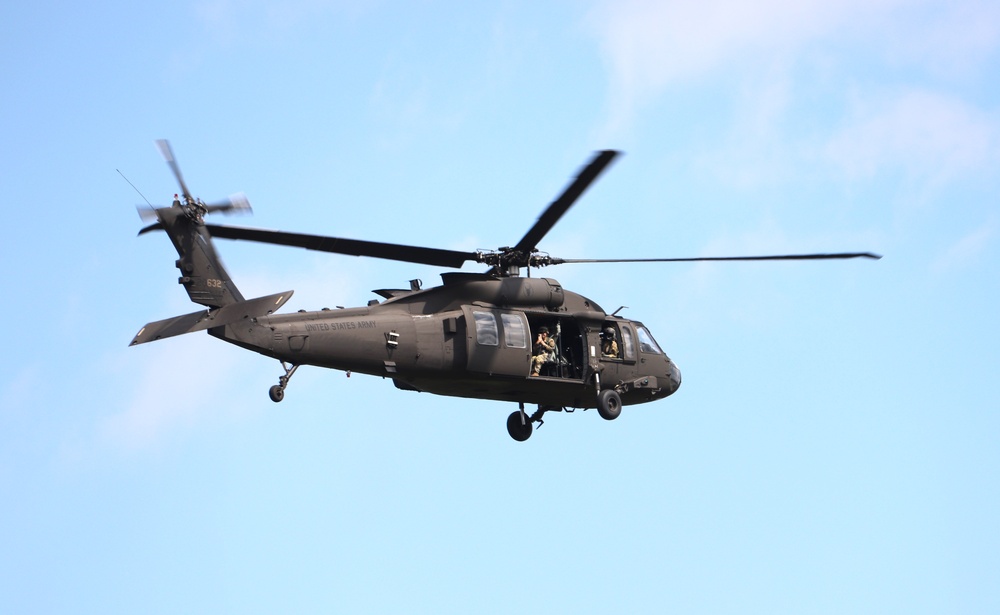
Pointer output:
x,y
493,335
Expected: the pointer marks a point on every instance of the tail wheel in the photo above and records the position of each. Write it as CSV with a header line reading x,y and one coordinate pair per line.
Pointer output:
x,y
609,404
277,393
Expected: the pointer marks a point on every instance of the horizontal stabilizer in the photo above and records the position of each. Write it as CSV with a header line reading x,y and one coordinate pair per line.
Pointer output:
x,y
206,319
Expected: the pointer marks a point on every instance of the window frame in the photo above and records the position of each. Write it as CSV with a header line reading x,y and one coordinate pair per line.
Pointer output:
x,y
628,343
513,324
486,324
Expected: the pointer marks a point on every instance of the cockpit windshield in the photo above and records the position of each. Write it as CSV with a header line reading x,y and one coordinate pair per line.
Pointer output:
x,y
646,342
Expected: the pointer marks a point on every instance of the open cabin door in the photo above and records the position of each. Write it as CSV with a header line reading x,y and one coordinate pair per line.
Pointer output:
x,y
569,358
497,341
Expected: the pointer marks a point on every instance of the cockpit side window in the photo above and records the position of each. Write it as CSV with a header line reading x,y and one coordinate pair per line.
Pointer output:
x,y
486,329
646,342
628,343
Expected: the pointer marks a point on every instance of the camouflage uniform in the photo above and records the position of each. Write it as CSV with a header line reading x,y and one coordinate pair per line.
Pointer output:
x,y
542,352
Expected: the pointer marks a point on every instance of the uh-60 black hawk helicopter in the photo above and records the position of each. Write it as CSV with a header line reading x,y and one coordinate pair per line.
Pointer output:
x,y
478,335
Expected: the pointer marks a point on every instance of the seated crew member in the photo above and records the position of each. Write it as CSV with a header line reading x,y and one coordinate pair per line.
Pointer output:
x,y
542,350
609,347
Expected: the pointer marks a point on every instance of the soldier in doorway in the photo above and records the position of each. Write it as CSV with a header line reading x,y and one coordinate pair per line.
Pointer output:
x,y
542,350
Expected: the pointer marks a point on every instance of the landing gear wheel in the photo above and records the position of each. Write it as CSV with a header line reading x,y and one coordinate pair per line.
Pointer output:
x,y
277,393
609,404
518,430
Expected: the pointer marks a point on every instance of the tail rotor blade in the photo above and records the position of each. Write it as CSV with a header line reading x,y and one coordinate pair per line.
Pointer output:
x,y
147,213
237,204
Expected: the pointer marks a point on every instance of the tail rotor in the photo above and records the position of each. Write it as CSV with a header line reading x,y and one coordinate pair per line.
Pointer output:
x,y
193,207
202,273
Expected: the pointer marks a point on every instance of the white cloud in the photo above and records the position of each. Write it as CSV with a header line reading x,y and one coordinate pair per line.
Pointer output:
x,y
20,392
966,250
182,384
925,134
756,150
231,22
175,388
650,45
950,39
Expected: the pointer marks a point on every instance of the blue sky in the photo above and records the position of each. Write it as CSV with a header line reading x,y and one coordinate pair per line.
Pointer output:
x,y
834,447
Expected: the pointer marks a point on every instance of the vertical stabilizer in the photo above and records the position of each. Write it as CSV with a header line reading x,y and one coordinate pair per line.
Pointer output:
x,y
201,272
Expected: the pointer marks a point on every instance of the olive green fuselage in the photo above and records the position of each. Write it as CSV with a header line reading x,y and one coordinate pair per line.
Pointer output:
x,y
472,337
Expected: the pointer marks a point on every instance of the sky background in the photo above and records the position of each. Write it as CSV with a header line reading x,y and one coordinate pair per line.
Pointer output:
x,y
834,446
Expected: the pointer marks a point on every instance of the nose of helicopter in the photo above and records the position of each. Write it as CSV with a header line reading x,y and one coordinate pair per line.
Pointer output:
x,y
674,377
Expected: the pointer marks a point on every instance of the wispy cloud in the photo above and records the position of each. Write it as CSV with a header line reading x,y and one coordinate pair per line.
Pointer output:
x,y
951,40
183,383
923,133
180,385
229,22
650,46
966,250
228,25
20,391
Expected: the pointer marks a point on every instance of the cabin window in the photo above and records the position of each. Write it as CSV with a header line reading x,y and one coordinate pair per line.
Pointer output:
x,y
486,329
514,334
628,343
646,342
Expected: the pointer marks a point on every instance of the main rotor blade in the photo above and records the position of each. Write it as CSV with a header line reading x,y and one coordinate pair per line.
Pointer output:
x,y
164,146
352,247
569,196
779,257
